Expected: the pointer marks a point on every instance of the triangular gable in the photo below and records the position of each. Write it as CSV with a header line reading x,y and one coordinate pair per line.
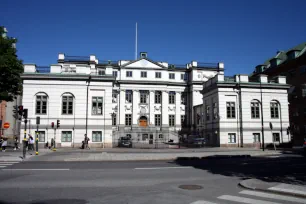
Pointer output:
x,y
143,63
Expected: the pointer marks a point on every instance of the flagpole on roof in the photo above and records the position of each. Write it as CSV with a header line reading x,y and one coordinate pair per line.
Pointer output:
x,y
136,43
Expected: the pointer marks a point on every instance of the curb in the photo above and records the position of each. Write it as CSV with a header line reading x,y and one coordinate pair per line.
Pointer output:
x,y
246,186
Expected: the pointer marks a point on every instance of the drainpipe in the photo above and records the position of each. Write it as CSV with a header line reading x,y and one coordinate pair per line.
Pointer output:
x,y
262,122
281,122
88,82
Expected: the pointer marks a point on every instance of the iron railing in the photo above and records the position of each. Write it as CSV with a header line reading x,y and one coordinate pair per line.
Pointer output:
x,y
42,69
76,58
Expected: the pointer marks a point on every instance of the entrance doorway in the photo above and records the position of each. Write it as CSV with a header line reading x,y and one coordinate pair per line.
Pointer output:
x,y
143,121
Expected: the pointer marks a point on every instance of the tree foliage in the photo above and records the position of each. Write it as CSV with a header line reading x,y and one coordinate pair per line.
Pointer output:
x,y
10,68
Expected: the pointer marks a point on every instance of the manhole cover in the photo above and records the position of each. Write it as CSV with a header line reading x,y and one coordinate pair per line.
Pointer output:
x,y
190,187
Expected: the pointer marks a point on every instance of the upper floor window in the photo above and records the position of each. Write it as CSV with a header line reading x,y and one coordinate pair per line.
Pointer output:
x,y
184,76
274,109
158,75
115,74
67,105
114,97
171,76
143,96
129,73
171,97
171,120
97,105
128,96
183,98
101,72
255,109
207,112
158,96
230,110
143,74
215,110
157,119
41,104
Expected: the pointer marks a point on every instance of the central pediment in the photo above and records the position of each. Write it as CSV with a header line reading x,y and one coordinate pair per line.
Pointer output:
x,y
143,63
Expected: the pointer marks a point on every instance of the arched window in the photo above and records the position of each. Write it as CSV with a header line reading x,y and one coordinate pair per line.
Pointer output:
x,y
274,109
67,104
41,104
255,109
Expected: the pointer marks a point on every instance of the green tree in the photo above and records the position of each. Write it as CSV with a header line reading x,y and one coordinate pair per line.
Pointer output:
x,y
10,68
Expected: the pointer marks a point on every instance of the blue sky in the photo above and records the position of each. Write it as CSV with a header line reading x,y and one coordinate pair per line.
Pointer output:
x,y
242,34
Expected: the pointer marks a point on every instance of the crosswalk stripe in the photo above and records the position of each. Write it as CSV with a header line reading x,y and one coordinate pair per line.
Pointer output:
x,y
2,166
287,190
244,200
202,202
6,164
1,162
273,196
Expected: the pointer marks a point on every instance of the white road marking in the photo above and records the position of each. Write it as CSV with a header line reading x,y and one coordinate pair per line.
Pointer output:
x,y
35,169
202,202
273,196
290,189
8,162
172,167
244,200
2,166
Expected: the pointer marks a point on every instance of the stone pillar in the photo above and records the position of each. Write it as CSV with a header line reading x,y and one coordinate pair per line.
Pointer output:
x,y
151,107
177,110
165,103
135,110
121,109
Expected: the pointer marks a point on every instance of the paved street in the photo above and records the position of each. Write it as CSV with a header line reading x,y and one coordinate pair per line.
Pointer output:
x,y
149,181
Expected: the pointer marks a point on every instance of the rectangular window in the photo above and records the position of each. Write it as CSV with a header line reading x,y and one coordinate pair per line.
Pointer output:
x,y
171,76
128,119
255,109
114,119
101,72
183,122
207,112
157,119
230,110
115,74
158,75
256,137
145,137
143,96
276,137
160,136
274,109
129,73
304,92
66,136
171,120
143,74
41,104
171,97
158,96
67,105
114,97
184,76
183,98
215,110
41,136
97,105
128,96
96,136
231,137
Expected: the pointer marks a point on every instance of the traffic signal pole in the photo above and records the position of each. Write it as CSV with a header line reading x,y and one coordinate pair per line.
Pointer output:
x,y
37,124
25,139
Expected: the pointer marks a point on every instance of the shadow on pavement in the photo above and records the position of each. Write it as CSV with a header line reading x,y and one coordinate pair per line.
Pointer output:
x,y
53,201
283,169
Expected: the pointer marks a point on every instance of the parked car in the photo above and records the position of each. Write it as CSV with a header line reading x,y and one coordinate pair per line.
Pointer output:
x,y
125,142
195,140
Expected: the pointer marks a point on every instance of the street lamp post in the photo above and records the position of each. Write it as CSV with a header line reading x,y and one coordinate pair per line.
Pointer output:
x,y
88,82
262,122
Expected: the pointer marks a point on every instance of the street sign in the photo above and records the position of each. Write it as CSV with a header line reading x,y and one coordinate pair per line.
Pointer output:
x,y
6,125
271,126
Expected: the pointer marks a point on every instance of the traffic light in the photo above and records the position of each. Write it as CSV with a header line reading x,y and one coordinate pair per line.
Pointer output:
x,y
25,113
20,110
58,123
52,124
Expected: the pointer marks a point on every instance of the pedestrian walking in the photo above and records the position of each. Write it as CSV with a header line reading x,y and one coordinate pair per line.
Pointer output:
x,y
16,143
31,143
86,140
1,141
4,144
52,143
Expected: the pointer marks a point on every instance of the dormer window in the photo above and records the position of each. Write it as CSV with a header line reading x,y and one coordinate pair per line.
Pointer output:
x,y
143,55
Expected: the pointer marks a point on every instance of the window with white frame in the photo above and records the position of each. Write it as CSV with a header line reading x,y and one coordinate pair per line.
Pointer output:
x,y
41,136
171,120
158,75
115,74
144,96
143,74
276,137
67,105
157,119
171,97
183,98
274,109
128,96
128,119
231,137
114,119
171,76
184,76
97,105
96,136
158,97
129,73
66,136
256,137
255,109
230,110
41,104
101,72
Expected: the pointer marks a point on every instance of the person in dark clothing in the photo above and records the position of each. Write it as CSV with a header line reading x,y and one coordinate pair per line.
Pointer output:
x,y
16,143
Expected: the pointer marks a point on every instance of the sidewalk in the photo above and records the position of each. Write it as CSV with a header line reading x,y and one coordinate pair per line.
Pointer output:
x,y
16,155
273,187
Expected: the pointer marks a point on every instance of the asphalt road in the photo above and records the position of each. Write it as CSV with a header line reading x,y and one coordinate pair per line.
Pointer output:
x,y
145,182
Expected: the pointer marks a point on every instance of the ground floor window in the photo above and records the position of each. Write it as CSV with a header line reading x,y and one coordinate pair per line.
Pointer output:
x,y
231,137
66,136
256,137
276,137
160,136
97,136
41,136
171,120
145,136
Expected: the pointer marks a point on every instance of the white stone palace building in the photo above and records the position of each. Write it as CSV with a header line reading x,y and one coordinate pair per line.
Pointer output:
x,y
151,102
